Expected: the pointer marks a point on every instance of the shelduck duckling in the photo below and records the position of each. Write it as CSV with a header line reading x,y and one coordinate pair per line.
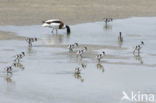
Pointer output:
x,y
56,24
9,69
120,38
107,20
142,44
100,56
84,49
30,40
138,47
77,70
80,52
72,46
19,57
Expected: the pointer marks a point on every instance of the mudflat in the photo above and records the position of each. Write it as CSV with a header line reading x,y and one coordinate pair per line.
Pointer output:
x,y
26,12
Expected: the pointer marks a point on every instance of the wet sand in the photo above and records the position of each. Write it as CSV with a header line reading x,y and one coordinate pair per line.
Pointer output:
x,y
26,12
10,36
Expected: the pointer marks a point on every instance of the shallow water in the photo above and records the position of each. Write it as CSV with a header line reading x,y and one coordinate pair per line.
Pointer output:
x,y
48,73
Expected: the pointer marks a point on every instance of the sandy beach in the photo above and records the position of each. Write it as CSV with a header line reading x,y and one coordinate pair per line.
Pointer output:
x,y
26,12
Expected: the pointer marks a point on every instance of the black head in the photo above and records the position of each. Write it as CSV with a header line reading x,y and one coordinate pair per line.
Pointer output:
x,y
76,44
142,42
85,48
120,33
35,39
23,53
68,29
103,52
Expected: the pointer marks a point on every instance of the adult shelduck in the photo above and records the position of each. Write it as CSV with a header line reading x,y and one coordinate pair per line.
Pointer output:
x,y
55,24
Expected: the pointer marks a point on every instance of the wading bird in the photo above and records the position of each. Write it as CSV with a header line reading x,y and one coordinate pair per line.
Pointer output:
x,y
55,24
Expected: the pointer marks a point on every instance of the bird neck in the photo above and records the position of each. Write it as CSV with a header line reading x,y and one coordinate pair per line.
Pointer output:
x,y
68,29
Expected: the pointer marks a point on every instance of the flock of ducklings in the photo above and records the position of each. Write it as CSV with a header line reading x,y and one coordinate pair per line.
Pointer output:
x,y
71,47
16,64
17,60
100,56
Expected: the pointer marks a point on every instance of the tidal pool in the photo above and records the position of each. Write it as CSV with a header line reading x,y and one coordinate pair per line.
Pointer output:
x,y
46,74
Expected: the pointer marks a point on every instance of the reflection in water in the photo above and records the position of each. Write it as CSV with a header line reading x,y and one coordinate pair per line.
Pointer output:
x,y
29,50
79,77
56,38
100,67
107,27
120,43
138,58
10,82
19,65
81,62
120,39
7,77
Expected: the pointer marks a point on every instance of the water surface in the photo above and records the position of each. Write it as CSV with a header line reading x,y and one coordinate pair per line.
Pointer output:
x,y
48,73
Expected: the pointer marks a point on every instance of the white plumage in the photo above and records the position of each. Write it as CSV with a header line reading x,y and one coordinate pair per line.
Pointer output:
x,y
56,24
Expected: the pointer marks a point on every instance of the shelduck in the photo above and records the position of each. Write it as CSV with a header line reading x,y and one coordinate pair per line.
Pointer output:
x,y
56,24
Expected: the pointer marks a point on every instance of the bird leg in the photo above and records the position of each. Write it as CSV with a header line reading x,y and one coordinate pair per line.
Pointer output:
x,y
52,30
56,31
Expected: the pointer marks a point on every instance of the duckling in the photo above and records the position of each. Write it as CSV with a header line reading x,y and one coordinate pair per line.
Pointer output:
x,y
84,49
120,38
77,70
9,69
138,47
100,56
35,39
80,52
83,65
141,44
19,57
23,53
107,20
30,40
72,46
